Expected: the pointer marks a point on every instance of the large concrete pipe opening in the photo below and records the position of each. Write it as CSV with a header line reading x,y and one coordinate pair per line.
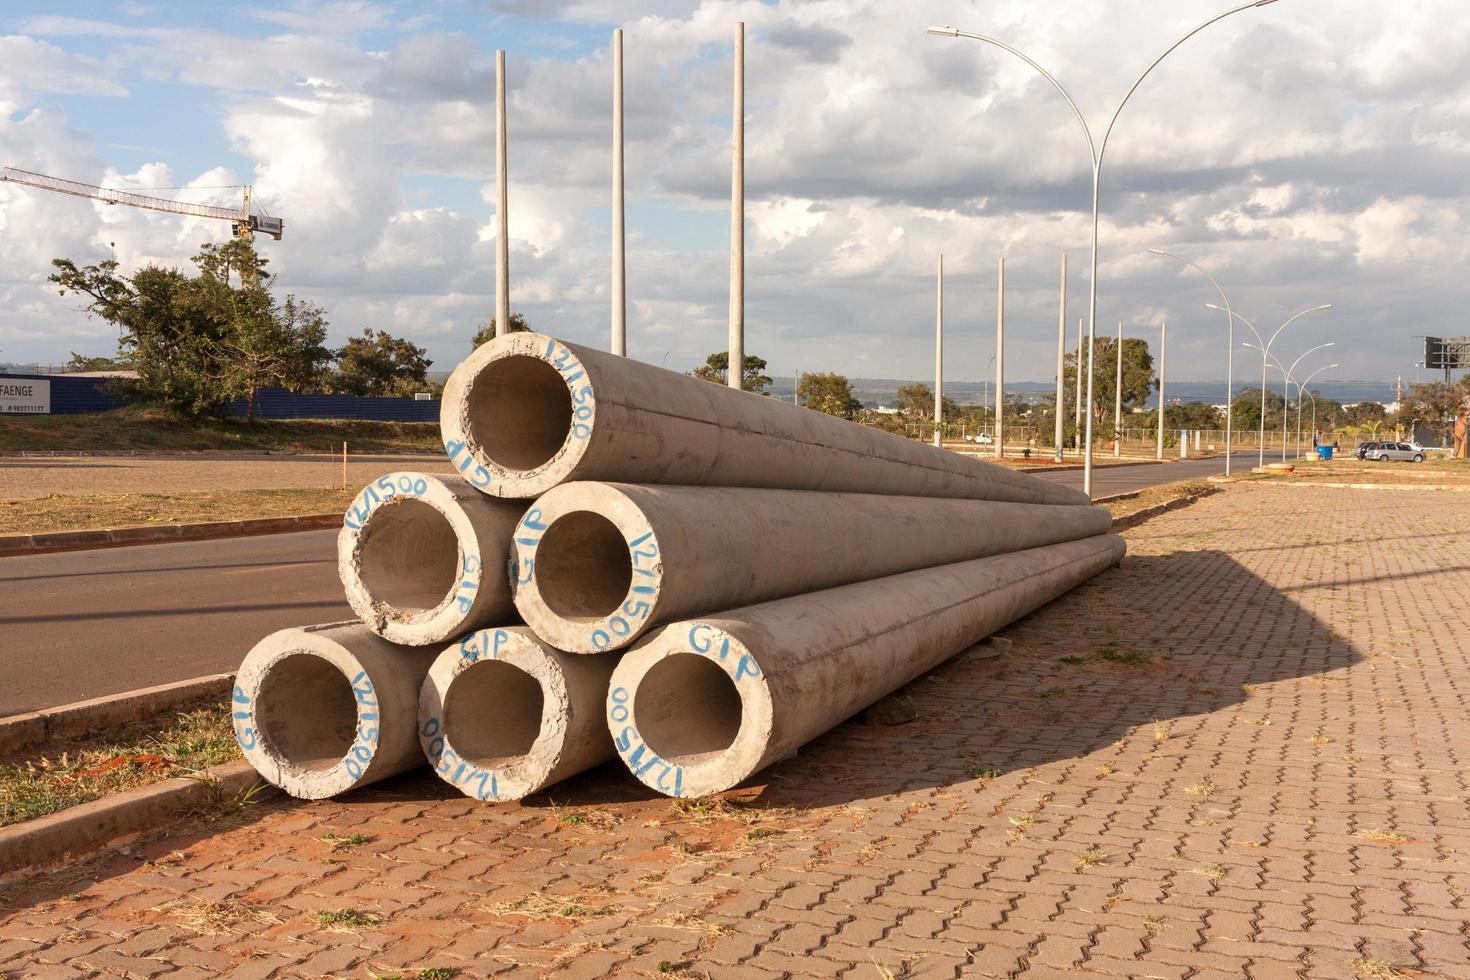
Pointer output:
x,y
410,556
307,711
687,708
493,712
520,412
583,569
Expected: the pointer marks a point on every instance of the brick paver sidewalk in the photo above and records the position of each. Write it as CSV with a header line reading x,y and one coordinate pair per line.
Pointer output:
x,y
1242,754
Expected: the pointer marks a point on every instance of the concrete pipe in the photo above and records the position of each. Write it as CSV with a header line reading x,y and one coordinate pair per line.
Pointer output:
x,y
597,564
701,705
502,715
526,412
422,558
321,709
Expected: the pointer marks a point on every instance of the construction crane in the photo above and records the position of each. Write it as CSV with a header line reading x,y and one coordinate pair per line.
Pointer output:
x,y
243,222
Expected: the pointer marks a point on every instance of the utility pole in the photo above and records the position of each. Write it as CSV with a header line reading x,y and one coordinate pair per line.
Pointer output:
x,y
735,374
1077,395
1118,399
1163,340
1000,362
1061,364
502,220
619,241
939,352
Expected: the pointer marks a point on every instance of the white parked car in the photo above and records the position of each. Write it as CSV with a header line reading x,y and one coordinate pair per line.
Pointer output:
x,y
983,439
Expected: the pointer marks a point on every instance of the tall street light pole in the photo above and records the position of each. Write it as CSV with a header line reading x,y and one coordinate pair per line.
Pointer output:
x,y
1000,363
502,219
1096,151
1229,352
1061,353
619,263
939,353
1163,342
1299,389
735,372
1265,349
1077,394
1118,399
1291,375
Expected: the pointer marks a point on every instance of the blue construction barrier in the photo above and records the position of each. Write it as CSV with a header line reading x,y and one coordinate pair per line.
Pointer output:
x,y
278,403
57,394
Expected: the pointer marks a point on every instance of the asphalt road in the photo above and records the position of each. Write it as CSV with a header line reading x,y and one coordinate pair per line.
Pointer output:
x,y
83,624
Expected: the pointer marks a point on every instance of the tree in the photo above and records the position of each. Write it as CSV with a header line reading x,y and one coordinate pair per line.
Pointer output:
x,y
916,404
199,342
1138,379
716,368
485,332
1362,413
1245,411
828,393
378,363
1433,405
80,364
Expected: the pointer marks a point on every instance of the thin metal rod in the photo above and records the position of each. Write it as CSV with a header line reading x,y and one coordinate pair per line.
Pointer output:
x,y
619,241
1000,363
1163,346
1118,399
502,219
735,374
939,352
1061,354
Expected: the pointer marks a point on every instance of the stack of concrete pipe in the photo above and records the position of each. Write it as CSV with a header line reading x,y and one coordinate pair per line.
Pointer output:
x,y
635,563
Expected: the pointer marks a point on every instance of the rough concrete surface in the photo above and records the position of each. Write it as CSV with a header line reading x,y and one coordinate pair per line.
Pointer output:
x,y
502,714
422,557
1242,754
526,412
704,704
319,710
597,564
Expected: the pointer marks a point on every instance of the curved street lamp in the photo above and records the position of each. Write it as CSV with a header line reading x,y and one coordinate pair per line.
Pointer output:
x,y
1229,350
1291,373
1265,349
1299,389
1095,150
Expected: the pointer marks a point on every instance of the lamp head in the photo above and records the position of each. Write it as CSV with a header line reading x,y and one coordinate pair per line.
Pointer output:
x,y
952,31
1157,251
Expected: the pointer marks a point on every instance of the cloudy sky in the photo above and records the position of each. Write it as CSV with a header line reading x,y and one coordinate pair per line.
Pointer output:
x,y
1306,152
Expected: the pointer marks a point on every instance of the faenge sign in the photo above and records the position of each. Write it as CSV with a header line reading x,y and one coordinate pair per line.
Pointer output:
x,y
24,396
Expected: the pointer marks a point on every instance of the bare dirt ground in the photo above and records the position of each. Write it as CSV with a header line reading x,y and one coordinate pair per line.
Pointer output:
x,y
1242,754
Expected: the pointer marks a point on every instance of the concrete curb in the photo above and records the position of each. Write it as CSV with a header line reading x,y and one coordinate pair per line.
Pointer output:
x,y
51,541
1138,517
21,732
71,832
1457,487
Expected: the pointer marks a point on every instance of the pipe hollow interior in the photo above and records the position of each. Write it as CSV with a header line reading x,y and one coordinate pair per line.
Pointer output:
x,y
519,412
583,569
687,708
492,712
307,711
410,556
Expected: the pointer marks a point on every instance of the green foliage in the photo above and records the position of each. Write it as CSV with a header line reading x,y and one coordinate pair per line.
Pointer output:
x,y
378,363
1433,405
916,404
1360,414
200,341
1138,381
828,393
485,332
1245,411
716,368
80,363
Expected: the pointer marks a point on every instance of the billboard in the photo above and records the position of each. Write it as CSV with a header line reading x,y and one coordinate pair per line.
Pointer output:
x,y
24,396
1447,353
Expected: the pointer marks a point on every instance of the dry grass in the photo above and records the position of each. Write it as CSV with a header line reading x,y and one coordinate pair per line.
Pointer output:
x,y
1378,970
540,907
1384,836
174,744
1091,857
63,513
216,918
144,429
1135,502
1205,787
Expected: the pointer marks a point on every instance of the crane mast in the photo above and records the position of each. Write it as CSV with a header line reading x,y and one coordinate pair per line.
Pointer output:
x,y
243,223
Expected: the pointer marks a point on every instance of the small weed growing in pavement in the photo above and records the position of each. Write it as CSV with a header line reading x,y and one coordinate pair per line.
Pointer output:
x,y
670,966
217,918
1129,658
983,772
760,833
1259,722
1205,787
1153,922
1320,739
1377,969
1321,678
1091,857
1214,872
346,843
437,973
538,906
1105,770
346,920
1073,661
1384,836
1162,730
